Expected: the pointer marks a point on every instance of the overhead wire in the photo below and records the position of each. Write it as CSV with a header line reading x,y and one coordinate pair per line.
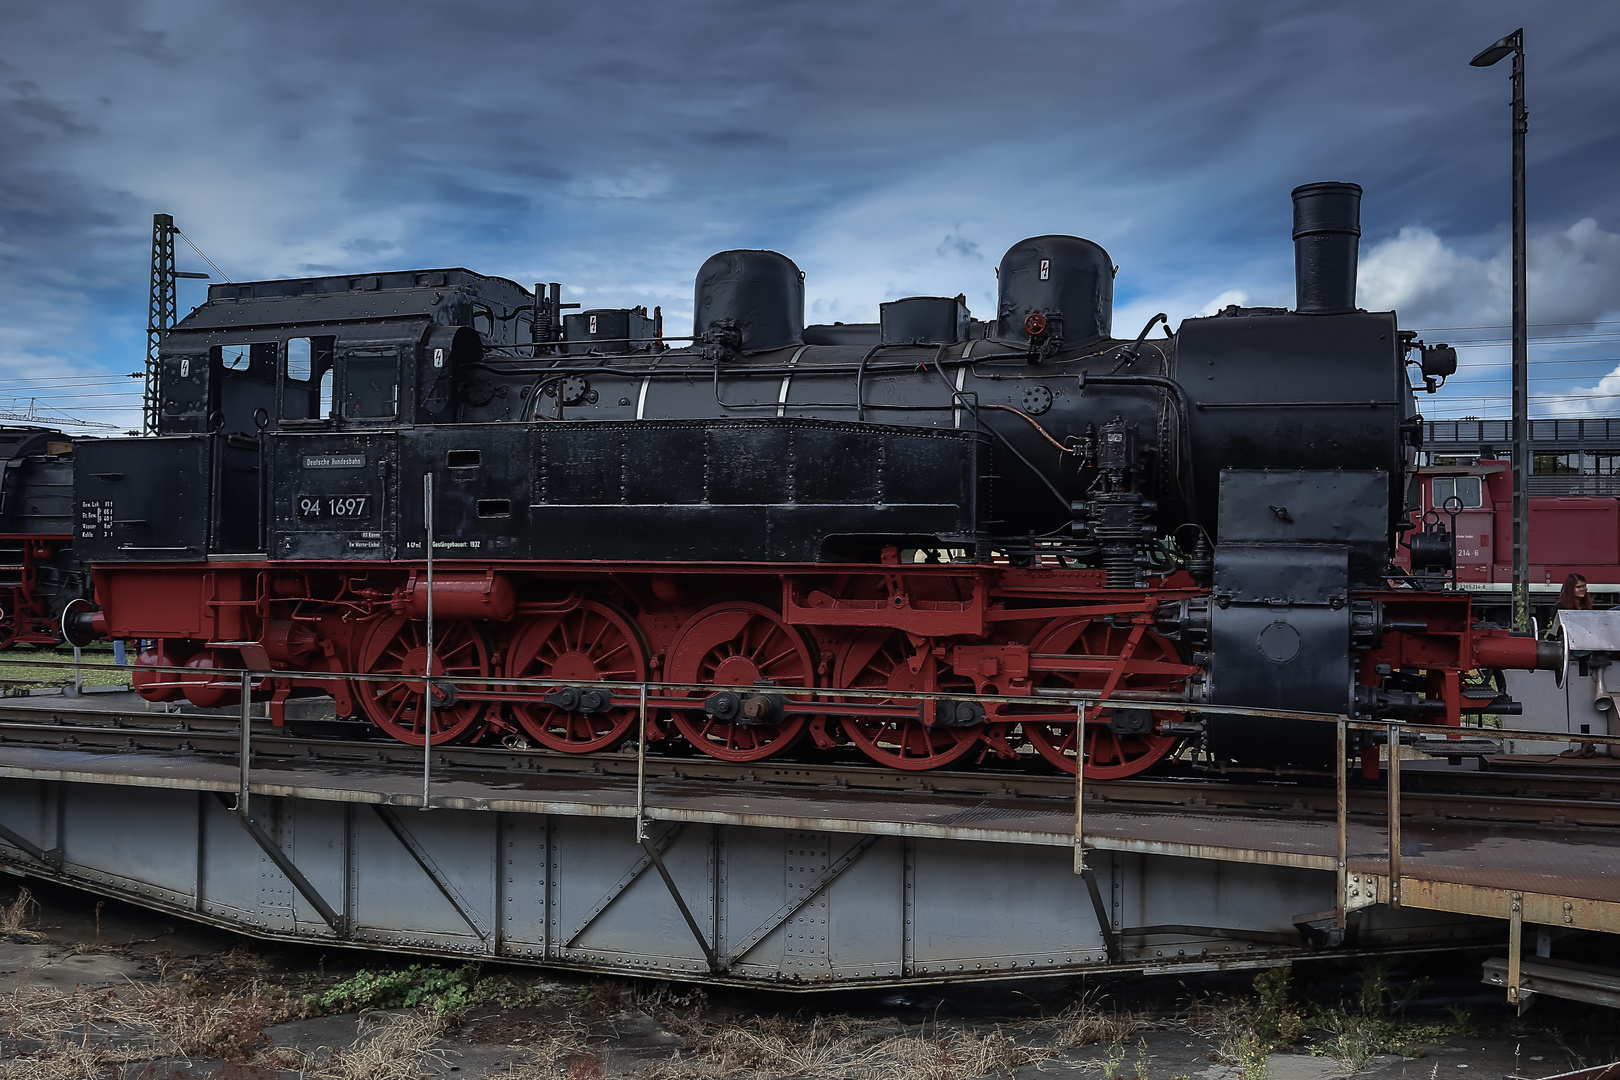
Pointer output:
x,y
1508,326
200,255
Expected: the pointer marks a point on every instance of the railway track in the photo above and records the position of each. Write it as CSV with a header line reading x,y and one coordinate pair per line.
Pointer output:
x,y
1574,798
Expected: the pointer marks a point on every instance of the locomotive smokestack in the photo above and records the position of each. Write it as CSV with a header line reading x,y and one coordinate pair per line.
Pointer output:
x,y
1327,233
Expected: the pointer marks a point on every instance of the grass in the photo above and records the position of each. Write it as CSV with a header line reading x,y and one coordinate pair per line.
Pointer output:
x,y
1376,1023
24,665
16,916
1252,1027
50,1034
852,1048
221,1007
390,1046
1249,1028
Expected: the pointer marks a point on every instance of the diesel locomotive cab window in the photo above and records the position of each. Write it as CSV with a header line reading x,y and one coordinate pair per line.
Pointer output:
x,y
1468,490
371,385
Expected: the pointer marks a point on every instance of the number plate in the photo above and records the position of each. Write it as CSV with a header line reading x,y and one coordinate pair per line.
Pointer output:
x,y
336,507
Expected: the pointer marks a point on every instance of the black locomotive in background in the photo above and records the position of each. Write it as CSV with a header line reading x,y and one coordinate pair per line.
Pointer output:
x,y
1024,506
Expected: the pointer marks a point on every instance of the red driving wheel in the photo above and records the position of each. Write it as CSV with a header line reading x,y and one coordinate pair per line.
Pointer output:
x,y
740,644
398,646
882,660
1109,754
591,643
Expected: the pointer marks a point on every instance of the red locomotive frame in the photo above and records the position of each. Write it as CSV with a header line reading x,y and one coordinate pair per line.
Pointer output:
x,y
25,616
973,629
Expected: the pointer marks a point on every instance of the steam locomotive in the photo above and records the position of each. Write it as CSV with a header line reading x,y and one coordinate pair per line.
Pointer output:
x,y
1023,507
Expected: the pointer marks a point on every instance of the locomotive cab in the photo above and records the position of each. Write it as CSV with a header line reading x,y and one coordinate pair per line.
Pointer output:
x,y
262,360
333,352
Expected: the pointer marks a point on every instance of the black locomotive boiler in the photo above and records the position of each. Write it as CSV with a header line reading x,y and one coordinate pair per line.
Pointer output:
x,y
1024,507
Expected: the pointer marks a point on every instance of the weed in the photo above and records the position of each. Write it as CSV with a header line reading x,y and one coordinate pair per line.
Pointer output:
x,y
1281,1021
599,999
847,1048
448,992
1351,1038
1252,1054
1082,1024
1376,1023
1251,1028
53,1035
15,917
1113,1060
390,1046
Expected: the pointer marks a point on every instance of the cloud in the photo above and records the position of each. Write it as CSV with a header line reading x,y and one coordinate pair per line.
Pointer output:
x,y
35,106
639,182
613,146
1240,297
1599,399
1572,276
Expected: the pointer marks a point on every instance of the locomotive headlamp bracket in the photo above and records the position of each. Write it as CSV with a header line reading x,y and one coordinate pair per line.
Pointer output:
x,y
1436,362
1439,360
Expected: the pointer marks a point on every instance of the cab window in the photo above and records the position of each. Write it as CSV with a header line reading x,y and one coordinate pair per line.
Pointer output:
x,y
308,371
371,384
258,357
1469,491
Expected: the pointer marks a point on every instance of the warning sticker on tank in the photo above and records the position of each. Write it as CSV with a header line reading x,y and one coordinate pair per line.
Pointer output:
x,y
334,461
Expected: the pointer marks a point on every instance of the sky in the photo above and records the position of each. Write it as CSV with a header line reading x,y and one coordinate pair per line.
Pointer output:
x,y
890,148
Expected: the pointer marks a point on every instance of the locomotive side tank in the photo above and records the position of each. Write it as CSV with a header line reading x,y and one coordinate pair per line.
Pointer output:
x,y
1025,507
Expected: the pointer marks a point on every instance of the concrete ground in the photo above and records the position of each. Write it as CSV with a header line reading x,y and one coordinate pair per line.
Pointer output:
x,y
93,988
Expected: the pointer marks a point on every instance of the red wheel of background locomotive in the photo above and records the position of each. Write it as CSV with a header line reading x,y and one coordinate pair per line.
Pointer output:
x,y
880,660
739,644
398,646
1109,756
591,643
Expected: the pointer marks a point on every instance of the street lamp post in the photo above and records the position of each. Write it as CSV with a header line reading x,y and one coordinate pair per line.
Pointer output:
x,y
1513,45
